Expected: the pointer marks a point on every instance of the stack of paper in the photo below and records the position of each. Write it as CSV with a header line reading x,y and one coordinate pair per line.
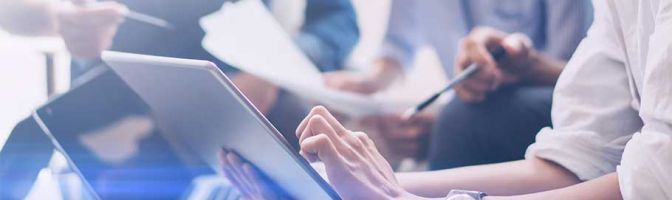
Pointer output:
x,y
246,35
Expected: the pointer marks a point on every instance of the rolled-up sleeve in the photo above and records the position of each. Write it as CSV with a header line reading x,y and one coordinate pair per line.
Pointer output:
x,y
593,118
404,34
646,168
566,24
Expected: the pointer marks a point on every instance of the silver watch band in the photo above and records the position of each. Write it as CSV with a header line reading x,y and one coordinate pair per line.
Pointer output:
x,y
465,195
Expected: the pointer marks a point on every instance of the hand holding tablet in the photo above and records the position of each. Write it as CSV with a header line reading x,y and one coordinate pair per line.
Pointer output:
x,y
355,168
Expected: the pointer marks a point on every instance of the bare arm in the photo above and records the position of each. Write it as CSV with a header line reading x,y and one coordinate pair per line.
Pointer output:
x,y
356,170
544,70
605,187
510,178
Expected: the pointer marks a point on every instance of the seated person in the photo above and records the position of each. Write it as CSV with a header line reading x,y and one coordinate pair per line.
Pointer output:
x,y
498,113
611,135
327,37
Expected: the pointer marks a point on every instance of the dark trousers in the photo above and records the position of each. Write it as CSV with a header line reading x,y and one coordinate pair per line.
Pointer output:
x,y
497,130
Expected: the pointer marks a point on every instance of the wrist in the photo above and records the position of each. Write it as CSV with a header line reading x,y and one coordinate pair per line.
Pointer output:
x,y
543,70
533,67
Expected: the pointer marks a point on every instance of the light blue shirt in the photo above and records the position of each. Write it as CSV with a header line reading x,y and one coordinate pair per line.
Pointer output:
x,y
555,26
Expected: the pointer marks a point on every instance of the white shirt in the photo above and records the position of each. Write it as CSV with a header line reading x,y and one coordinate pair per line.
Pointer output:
x,y
612,107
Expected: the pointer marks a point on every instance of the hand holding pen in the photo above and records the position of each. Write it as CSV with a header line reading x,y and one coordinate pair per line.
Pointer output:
x,y
89,30
130,14
472,69
88,27
487,60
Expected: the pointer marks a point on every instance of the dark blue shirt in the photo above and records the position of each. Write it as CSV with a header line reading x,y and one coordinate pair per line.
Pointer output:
x,y
327,36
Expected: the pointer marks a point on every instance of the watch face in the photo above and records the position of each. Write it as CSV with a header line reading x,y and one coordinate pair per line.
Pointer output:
x,y
465,195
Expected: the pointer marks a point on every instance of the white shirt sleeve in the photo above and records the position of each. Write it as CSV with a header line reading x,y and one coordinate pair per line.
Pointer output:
x,y
592,114
404,34
646,168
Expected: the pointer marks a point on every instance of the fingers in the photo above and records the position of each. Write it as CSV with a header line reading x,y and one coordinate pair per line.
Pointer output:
x,y
321,147
472,93
516,44
230,173
254,177
478,43
233,168
96,15
89,29
318,125
474,50
104,12
323,112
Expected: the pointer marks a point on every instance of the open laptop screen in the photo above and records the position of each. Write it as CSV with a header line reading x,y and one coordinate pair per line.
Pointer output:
x,y
114,141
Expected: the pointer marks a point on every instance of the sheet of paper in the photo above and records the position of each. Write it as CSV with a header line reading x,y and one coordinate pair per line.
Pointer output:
x,y
247,36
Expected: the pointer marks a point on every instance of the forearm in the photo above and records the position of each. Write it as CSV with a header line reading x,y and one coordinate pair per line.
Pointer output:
x,y
28,17
544,70
605,187
510,178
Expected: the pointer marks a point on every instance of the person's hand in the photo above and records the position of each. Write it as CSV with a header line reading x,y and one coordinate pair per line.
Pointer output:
x,y
354,166
252,184
407,136
352,82
513,68
88,30
378,76
260,92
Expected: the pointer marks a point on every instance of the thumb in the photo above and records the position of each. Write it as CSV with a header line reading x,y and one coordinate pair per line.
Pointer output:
x,y
517,44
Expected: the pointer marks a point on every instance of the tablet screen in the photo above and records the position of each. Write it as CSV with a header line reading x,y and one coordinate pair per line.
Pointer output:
x,y
203,108
113,139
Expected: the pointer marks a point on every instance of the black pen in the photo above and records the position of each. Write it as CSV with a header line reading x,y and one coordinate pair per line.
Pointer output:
x,y
497,53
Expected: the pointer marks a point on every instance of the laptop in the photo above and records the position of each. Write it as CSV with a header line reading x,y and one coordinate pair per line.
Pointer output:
x,y
151,124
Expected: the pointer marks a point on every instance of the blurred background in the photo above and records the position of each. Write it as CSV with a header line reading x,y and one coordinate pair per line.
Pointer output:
x,y
23,66
32,68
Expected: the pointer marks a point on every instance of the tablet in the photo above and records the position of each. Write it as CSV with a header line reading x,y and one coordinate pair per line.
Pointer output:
x,y
202,112
111,138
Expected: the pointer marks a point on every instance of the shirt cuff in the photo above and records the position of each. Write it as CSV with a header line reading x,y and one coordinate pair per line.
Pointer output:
x,y
585,154
645,172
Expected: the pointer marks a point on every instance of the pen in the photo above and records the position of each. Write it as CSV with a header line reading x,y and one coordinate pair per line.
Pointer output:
x,y
137,16
497,53
148,19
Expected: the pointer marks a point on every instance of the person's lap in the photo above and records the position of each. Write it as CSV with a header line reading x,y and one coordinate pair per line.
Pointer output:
x,y
497,130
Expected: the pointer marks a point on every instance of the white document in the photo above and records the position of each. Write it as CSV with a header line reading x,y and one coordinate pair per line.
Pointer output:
x,y
246,35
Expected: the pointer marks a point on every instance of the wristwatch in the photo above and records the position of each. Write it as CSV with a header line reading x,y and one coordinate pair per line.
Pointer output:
x,y
465,195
